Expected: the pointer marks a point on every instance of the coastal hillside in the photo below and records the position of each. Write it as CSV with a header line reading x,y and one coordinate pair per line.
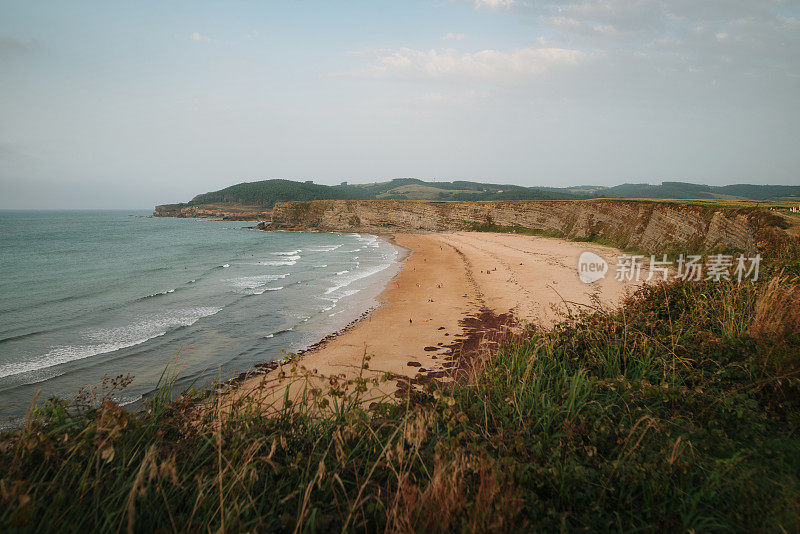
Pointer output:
x,y
625,224
250,198
267,192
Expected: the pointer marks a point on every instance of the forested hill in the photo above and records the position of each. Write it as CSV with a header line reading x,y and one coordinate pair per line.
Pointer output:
x,y
266,193
683,190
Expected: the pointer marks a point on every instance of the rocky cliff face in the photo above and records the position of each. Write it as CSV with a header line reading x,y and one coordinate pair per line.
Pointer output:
x,y
649,226
169,210
233,212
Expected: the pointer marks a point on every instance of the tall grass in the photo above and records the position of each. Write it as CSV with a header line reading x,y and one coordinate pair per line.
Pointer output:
x,y
680,411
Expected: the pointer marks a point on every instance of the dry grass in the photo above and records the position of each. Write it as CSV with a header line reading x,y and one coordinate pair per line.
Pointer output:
x,y
777,311
465,493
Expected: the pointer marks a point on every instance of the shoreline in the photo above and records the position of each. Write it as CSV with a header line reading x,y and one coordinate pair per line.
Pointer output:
x,y
262,368
434,316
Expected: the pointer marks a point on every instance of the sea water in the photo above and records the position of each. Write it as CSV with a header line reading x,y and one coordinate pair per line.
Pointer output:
x,y
91,294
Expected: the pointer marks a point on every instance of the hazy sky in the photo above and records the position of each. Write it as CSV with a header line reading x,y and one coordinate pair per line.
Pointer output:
x,y
129,104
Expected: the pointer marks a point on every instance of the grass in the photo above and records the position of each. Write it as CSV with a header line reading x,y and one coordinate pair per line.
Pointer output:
x,y
719,203
680,411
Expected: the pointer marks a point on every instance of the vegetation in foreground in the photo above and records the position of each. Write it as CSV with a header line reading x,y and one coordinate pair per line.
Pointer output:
x,y
679,412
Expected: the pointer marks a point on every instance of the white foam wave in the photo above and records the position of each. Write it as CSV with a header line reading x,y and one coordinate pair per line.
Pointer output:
x,y
159,293
277,263
288,260
255,285
110,339
347,280
337,297
289,253
226,265
340,273
301,317
262,290
251,282
324,248
124,400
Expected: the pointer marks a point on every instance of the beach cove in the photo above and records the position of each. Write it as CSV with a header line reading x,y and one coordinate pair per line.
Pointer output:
x,y
456,292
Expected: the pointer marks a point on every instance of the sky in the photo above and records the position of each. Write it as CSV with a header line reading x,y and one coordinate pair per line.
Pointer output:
x,y
113,104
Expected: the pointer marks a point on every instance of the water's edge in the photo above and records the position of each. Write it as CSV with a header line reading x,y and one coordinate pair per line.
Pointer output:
x,y
325,294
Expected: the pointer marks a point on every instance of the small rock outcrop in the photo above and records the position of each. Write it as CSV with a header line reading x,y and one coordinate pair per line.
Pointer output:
x,y
229,212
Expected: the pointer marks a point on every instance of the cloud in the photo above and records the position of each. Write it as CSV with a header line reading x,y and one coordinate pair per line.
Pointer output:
x,y
198,37
733,38
616,51
454,36
491,66
495,5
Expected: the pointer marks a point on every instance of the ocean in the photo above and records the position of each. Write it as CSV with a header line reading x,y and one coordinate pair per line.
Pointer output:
x,y
91,294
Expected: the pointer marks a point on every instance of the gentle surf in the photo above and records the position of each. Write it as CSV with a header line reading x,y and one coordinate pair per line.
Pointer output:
x,y
87,295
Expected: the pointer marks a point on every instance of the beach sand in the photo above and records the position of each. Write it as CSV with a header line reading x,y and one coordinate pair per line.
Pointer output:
x,y
446,279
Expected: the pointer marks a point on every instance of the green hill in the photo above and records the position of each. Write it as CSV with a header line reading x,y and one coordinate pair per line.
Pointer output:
x,y
665,190
683,190
761,192
267,192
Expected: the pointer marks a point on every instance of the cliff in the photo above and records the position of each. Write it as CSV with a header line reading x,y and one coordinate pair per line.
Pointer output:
x,y
227,211
649,226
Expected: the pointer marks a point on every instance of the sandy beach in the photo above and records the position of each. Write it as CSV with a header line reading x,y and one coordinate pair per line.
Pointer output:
x,y
424,312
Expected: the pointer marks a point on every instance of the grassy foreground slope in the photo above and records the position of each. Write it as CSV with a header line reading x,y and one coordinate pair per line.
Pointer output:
x,y
681,411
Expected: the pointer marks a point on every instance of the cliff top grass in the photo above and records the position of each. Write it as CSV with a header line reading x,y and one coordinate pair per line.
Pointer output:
x,y
728,206
680,411
743,203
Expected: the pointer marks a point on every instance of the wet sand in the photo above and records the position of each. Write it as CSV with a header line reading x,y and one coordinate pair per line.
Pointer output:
x,y
446,279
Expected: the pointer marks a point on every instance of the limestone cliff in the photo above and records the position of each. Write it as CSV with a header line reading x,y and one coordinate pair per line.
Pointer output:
x,y
649,226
